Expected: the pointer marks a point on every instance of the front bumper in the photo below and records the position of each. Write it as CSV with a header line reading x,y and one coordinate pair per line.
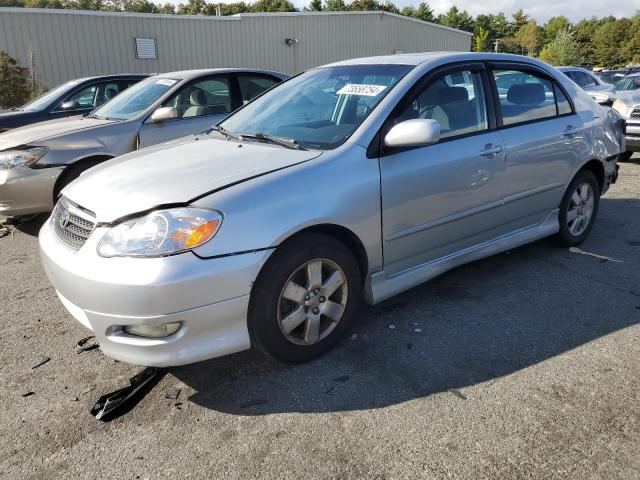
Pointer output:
x,y
210,298
24,190
632,136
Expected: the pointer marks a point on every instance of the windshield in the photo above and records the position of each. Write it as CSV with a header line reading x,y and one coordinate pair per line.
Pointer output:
x,y
134,99
320,108
45,99
628,83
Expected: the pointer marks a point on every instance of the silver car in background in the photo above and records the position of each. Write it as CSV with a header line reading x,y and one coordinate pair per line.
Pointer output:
x,y
359,179
37,161
601,91
627,104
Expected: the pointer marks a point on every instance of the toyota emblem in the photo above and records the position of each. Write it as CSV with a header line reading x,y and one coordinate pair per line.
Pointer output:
x,y
63,221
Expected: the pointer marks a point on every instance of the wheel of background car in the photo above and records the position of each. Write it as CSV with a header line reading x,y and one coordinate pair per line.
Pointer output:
x,y
304,299
72,172
578,209
625,156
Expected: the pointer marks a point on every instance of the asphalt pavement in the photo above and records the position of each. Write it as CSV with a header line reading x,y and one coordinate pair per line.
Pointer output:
x,y
523,365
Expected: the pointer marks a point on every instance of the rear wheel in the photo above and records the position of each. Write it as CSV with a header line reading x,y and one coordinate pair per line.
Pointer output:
x,y
578,209
304,299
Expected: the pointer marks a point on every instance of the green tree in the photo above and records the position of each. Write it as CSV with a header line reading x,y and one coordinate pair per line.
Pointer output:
x,y
519,20
455,18
529,38
273,6
555,25
633,45
314,6
336,6
167,9
585,30
423,12
562,50
13,86
481,41
610,40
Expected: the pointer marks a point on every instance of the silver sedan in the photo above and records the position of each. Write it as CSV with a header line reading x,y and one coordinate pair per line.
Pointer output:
x,y
359,179
38,161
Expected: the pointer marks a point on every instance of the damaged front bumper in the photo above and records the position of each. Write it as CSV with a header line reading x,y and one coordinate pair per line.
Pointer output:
x,y
208,297
25,191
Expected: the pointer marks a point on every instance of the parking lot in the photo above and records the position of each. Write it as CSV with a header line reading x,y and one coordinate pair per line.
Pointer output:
x,y
523,365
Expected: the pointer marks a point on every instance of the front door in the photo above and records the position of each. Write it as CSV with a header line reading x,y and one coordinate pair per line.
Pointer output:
x,y
200,105
445,197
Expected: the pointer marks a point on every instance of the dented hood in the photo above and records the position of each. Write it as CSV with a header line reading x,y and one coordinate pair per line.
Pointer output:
x,y
40,132
174,173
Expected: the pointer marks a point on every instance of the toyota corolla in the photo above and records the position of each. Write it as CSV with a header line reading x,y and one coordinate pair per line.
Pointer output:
x,y
359,179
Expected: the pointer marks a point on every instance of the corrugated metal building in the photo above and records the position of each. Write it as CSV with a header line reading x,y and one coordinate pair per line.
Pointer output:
x,y
65,44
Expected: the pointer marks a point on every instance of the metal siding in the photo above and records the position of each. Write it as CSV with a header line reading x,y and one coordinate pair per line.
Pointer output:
x,y
72,44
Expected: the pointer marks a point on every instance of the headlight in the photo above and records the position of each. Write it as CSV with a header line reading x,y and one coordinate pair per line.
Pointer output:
x,y
620,107
160,233
15,158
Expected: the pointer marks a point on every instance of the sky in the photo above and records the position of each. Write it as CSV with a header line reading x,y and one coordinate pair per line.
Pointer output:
x,y
540,10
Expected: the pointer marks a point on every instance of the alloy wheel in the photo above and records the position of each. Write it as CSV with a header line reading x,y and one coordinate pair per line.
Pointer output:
x,y
580,209
312,301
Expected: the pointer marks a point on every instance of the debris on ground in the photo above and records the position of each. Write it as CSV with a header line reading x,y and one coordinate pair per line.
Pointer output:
x,y
417,330
28,394
107,404
173,394
603,258
391,326
353,337
43,360
84,345
457,393
341,379
10,224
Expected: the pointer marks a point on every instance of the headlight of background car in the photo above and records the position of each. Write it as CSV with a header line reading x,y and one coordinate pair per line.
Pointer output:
x,y
160,233
620,107
15,158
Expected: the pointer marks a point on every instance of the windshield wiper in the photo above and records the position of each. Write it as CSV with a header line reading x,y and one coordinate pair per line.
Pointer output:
x,y
226,133
283,142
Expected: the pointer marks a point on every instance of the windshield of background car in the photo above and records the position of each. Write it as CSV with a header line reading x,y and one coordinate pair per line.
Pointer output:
x,y
135,99
45,99
321,108
628,83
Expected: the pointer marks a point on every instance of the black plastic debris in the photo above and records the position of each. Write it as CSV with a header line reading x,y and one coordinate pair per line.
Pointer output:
x,y
124,399
173,394
28,394
84,345
458,393
42,361
341,379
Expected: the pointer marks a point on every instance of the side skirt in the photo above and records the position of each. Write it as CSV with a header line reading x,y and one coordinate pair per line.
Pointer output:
x,y
381,286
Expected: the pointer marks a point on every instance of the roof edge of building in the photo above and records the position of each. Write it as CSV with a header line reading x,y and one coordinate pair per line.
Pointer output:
x,y
236,17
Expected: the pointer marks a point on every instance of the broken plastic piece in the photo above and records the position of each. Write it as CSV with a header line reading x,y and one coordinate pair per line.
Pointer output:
x,y
42,361
84,346
173,394
110,402
28,394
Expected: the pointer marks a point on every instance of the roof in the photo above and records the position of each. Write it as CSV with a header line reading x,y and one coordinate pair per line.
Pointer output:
x,y
184,74
237,17
421,57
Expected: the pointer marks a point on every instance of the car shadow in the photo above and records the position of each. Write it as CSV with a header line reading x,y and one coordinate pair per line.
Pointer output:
x,y
29,225
474,324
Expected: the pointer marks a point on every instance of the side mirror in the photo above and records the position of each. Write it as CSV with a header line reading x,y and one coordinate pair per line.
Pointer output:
x,y
163,114
413,133
69,105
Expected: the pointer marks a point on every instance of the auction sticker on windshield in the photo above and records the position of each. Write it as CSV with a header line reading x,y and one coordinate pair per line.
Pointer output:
x,y
166,81
365,90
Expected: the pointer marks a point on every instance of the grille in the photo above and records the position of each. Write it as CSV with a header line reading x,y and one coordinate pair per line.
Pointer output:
x,y
635,113
72,223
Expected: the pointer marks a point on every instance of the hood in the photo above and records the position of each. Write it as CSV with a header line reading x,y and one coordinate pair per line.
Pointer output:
x,y
629,97
173,173
38,132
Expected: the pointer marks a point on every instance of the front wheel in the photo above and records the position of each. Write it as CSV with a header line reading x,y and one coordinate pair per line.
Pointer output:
x,y
304,299
578,209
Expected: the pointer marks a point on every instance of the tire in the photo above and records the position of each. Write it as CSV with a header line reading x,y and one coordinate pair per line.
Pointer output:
x,y
72,172
283,291
579,204
625,156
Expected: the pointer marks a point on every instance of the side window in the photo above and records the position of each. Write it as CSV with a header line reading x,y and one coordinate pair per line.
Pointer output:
x,y
590,81
253,85
564,107
581,79
106,91
531,98
205,97
456,100
85,97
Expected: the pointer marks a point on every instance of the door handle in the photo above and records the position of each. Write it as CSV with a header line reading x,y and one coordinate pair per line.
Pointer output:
x,y
491,150
570,131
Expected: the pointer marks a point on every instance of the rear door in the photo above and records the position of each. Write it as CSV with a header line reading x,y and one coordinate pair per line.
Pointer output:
x,y
543,137
442,198
200,104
